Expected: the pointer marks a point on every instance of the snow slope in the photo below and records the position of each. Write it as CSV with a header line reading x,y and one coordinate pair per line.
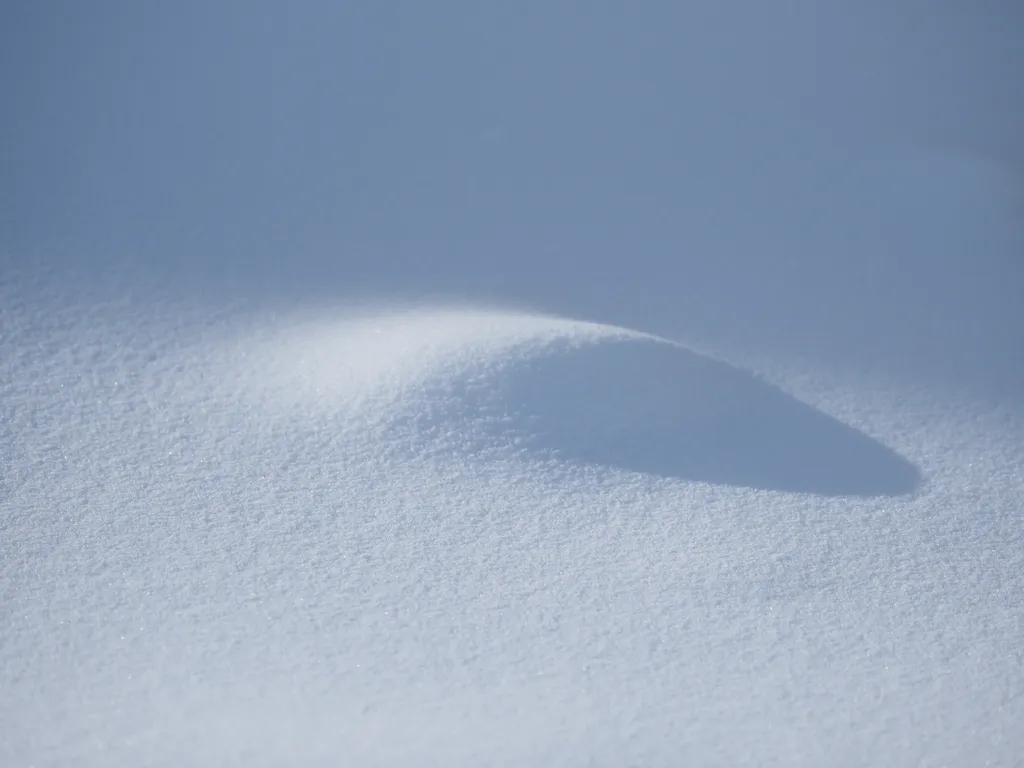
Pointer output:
x,y
395,384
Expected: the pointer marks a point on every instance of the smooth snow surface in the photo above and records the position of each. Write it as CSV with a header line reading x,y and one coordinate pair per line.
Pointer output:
x,y
395,536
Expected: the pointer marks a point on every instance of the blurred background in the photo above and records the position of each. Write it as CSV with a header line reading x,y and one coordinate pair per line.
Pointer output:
x,y
832,181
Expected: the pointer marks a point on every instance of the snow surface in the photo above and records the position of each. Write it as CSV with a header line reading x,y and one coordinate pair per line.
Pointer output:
x,y
423,534
685,433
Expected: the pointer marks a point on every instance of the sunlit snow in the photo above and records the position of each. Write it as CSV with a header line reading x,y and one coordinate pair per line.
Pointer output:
x,y
505,385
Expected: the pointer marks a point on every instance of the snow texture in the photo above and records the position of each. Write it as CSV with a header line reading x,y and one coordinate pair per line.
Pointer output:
x,y
392,536
573,423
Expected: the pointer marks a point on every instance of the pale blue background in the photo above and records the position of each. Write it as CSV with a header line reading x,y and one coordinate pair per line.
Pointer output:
x,y
837,181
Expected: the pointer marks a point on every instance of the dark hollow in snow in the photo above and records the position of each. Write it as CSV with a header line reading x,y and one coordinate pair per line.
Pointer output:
x,y
663,410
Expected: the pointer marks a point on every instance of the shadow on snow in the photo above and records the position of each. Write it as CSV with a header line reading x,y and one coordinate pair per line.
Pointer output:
x,y
657,408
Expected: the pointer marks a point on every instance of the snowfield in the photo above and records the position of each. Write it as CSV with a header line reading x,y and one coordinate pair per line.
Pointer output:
x,y
511,384
484,537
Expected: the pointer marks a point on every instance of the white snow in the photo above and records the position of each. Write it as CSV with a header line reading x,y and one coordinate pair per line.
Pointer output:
x,y
310,540
689,429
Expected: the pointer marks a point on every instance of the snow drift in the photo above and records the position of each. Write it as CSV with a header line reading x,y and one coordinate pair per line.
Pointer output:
x,y
297,539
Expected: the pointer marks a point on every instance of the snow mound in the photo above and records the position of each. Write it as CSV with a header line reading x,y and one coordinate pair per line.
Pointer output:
x,y
486,383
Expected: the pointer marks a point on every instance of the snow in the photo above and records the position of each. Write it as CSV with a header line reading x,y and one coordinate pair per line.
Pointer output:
x,y
542,454
380,537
